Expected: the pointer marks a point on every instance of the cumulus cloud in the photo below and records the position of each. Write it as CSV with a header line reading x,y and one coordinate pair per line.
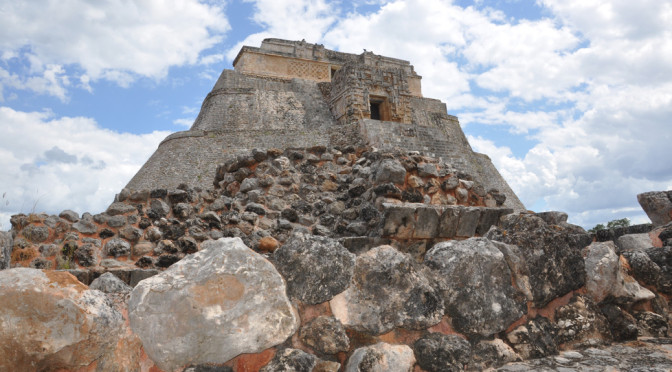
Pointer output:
x,y
73,163
289,19
116,41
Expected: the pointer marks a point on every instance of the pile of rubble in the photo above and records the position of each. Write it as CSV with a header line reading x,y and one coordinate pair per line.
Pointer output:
x,y
324,260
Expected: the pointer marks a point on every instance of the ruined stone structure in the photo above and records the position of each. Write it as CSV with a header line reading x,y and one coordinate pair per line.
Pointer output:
x,y
292,94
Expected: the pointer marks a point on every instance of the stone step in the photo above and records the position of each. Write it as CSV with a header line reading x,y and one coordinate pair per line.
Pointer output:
x,y
422,221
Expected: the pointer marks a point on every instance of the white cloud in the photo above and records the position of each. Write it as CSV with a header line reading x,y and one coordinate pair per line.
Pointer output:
x,y
117,41
71,164
184,122
289,19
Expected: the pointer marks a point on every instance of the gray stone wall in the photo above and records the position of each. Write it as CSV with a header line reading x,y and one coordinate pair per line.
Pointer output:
x,y
192,157
239,102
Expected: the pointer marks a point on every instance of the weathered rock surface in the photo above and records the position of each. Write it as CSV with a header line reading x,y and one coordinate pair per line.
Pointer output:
x,y
652,267
634,242
492,354
291,360
326,335
390,170
5,249
552,254
534,339
439,352
580,324
622,325
657,205
110,283
316,268
650,355
476,285
211,306
49,320
388,289
381,357
607,276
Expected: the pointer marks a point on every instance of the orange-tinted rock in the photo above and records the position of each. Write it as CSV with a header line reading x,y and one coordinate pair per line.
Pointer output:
x,y
50,321
268,244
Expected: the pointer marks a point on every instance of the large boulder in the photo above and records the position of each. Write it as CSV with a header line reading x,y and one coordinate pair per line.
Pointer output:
x,y
388,290
657,205
439,352
316,268
476,285
552,254
580,324
381,357
211,306
652,267
607,276
50,321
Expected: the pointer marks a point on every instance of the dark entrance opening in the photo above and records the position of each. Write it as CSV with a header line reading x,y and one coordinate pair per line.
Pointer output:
x,y
375,110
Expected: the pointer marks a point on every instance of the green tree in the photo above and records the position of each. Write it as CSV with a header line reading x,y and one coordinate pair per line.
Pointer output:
x,y
623,222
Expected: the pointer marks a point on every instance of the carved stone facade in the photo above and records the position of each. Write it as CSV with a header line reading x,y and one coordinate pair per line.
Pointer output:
x,y
359,91
290,94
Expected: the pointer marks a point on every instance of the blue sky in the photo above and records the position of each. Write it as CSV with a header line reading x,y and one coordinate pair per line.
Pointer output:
x,y
572,100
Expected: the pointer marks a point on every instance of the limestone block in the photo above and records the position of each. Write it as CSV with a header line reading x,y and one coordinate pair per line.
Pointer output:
x,y
388,290
469,220
475,283
581,324
439,352
316,268
211,306
381,357
109,283
390,170
449,221
492,354
36,234
552,253
399,220
291,360
634,242
427,223
607,276
490,217
50,321
553,217
85,225
326,335
657,205
534,339
120,208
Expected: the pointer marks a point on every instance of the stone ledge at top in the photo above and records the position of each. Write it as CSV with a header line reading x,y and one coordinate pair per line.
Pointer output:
x,y
293,94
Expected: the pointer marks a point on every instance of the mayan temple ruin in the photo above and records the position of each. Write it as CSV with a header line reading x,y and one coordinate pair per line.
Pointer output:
x,y
321,215
293,94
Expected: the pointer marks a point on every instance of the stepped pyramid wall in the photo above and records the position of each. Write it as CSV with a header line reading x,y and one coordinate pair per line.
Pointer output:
x,y
293,94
